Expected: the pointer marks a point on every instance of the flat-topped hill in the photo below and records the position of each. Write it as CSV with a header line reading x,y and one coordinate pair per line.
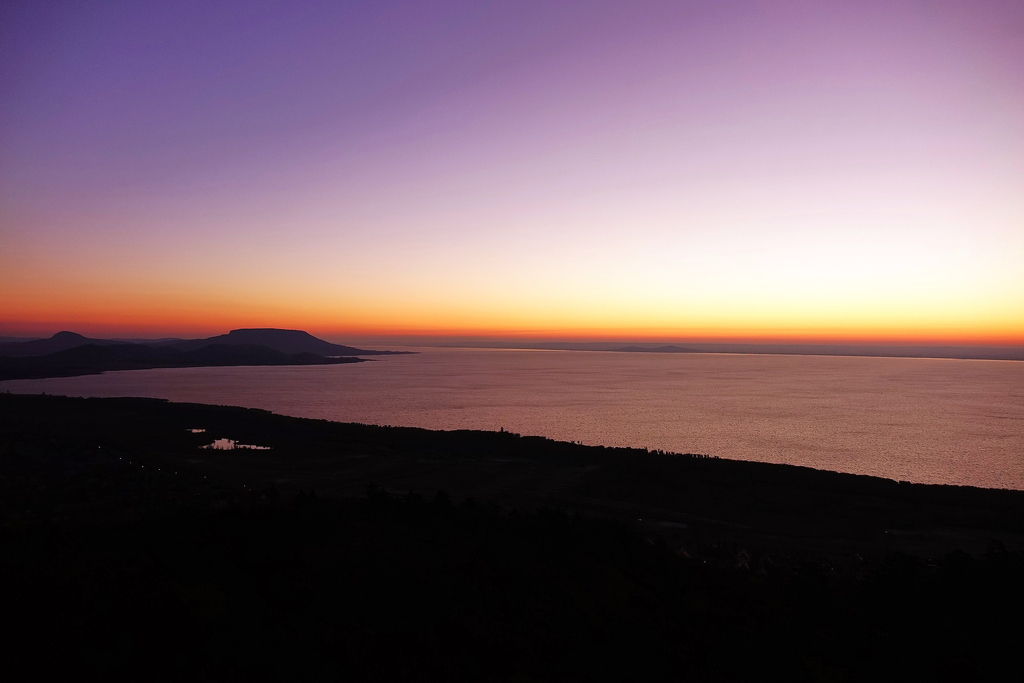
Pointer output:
x,y
286,341
67,354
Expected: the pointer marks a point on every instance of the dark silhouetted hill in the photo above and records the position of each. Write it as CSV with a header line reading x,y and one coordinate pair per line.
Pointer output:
x,y
61,341
655,349
286,341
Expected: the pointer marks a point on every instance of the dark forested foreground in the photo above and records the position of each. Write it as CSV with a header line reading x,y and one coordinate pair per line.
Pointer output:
x,y
126,551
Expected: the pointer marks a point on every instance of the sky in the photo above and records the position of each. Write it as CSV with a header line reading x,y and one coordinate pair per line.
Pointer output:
x,y
577,170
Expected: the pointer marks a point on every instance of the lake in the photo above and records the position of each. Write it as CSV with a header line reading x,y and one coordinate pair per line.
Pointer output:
x,y
921,420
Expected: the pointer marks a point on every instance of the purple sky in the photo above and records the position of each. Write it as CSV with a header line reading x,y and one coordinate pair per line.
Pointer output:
x,y
706,168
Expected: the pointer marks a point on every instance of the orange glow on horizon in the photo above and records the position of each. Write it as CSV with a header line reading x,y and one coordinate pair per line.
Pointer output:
x,y
849,173
201,323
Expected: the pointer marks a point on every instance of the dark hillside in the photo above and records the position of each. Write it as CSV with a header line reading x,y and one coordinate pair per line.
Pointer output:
x,y
129,553
62,341
285,341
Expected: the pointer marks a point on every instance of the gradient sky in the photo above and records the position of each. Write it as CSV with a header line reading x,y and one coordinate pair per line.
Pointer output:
x,y
582,169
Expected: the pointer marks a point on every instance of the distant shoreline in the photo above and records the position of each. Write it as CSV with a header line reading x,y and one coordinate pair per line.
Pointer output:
x,y
327,349
68,354
1012,353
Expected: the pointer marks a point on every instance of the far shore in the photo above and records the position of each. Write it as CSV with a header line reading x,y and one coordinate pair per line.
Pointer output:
x,y
1015,353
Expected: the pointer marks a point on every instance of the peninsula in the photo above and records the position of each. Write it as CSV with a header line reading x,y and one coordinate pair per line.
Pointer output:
x,y
67,354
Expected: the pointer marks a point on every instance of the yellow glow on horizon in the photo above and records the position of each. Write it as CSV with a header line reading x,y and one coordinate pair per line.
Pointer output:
x,y
565,274
850,173
504,316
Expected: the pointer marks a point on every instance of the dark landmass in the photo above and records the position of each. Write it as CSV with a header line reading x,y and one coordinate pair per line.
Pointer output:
x,y
67,354
62,341
11,340
285,341
150,342
128,552
92,359
655,349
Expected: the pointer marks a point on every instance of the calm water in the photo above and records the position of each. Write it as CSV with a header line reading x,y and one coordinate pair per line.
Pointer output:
x,y
936,421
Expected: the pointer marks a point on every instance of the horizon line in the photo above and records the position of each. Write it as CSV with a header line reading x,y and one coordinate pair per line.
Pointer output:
x,y
534,338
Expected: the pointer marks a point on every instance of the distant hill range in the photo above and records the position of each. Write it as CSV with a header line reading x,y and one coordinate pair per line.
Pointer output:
x,y
68,354
1008,352
62,341
286,341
